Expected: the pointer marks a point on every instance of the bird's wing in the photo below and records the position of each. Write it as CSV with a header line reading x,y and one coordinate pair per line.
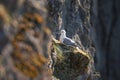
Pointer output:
x,y
68,41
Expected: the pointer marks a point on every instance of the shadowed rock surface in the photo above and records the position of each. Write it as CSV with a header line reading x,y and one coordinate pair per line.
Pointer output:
x,y
105,17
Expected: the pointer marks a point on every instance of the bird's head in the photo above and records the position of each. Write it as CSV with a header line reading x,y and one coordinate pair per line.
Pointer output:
x,y
63,32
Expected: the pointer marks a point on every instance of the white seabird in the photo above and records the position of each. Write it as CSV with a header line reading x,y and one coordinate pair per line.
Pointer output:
x,y
65,40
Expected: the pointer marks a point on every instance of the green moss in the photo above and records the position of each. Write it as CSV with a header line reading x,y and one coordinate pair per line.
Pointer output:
x,y
71,61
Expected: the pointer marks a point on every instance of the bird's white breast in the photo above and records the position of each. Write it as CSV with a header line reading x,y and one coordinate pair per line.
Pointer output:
x,y
61,38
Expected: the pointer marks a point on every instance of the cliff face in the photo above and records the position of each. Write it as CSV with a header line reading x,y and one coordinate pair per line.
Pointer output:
x,y
25,51
107,28
74,17
92,24
28,38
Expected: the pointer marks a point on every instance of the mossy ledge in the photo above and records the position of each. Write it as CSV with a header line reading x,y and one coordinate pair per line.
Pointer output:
x,y
71,61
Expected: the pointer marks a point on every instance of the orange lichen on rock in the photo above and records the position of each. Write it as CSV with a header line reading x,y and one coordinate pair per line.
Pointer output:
x,y
28,42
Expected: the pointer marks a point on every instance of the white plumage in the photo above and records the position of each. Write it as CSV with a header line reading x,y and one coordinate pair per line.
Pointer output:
x,y
65,40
